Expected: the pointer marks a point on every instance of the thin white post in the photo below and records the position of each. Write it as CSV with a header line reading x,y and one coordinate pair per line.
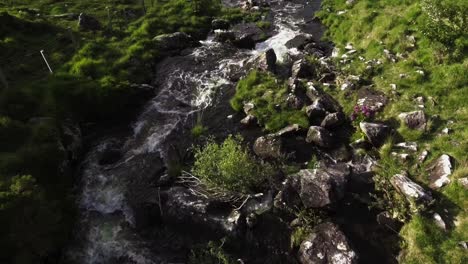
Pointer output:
x,y
47,63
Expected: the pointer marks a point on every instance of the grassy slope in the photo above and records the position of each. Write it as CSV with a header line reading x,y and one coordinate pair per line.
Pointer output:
x,y
372,26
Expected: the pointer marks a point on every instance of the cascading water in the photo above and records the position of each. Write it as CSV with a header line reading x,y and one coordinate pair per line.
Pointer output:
x,y
186,85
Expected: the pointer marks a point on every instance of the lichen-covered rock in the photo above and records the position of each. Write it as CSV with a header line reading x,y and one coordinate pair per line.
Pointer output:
x,y
322,186
268,147
327,245
333,120
414,120
376,133
319,136
439,172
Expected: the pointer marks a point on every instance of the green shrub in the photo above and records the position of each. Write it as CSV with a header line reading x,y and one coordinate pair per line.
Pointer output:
x,y
268,94
229,166
210,254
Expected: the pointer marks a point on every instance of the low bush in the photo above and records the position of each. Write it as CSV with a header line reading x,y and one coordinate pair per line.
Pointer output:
x,y
229,166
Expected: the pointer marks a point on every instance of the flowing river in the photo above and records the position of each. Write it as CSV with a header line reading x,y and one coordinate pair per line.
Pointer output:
x,y
186,85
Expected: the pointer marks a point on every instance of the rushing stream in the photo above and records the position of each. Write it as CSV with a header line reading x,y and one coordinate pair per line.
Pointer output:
x,y
186,84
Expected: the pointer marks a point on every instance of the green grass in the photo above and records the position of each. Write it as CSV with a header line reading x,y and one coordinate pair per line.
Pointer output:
x,y
439,50
268,94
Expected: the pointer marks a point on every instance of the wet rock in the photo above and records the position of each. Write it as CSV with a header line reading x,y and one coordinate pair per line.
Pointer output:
x,y
376,133
186,209
249,120
414,120
327,245
220,24
372,99
439,172
333,120
301,69
313,50
266,61
224,36
411,190
87,22
322,186
259,204
247,35
110,156
177,41
268,147
319,136
299,41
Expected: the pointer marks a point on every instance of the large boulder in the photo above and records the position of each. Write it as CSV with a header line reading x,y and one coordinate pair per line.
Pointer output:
x,y
322,186
376,133
299,41
411,190
247,35
439,171
319,136
268,147
184,208
414,120
224,36
86,22
327,245
177,41
265,61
